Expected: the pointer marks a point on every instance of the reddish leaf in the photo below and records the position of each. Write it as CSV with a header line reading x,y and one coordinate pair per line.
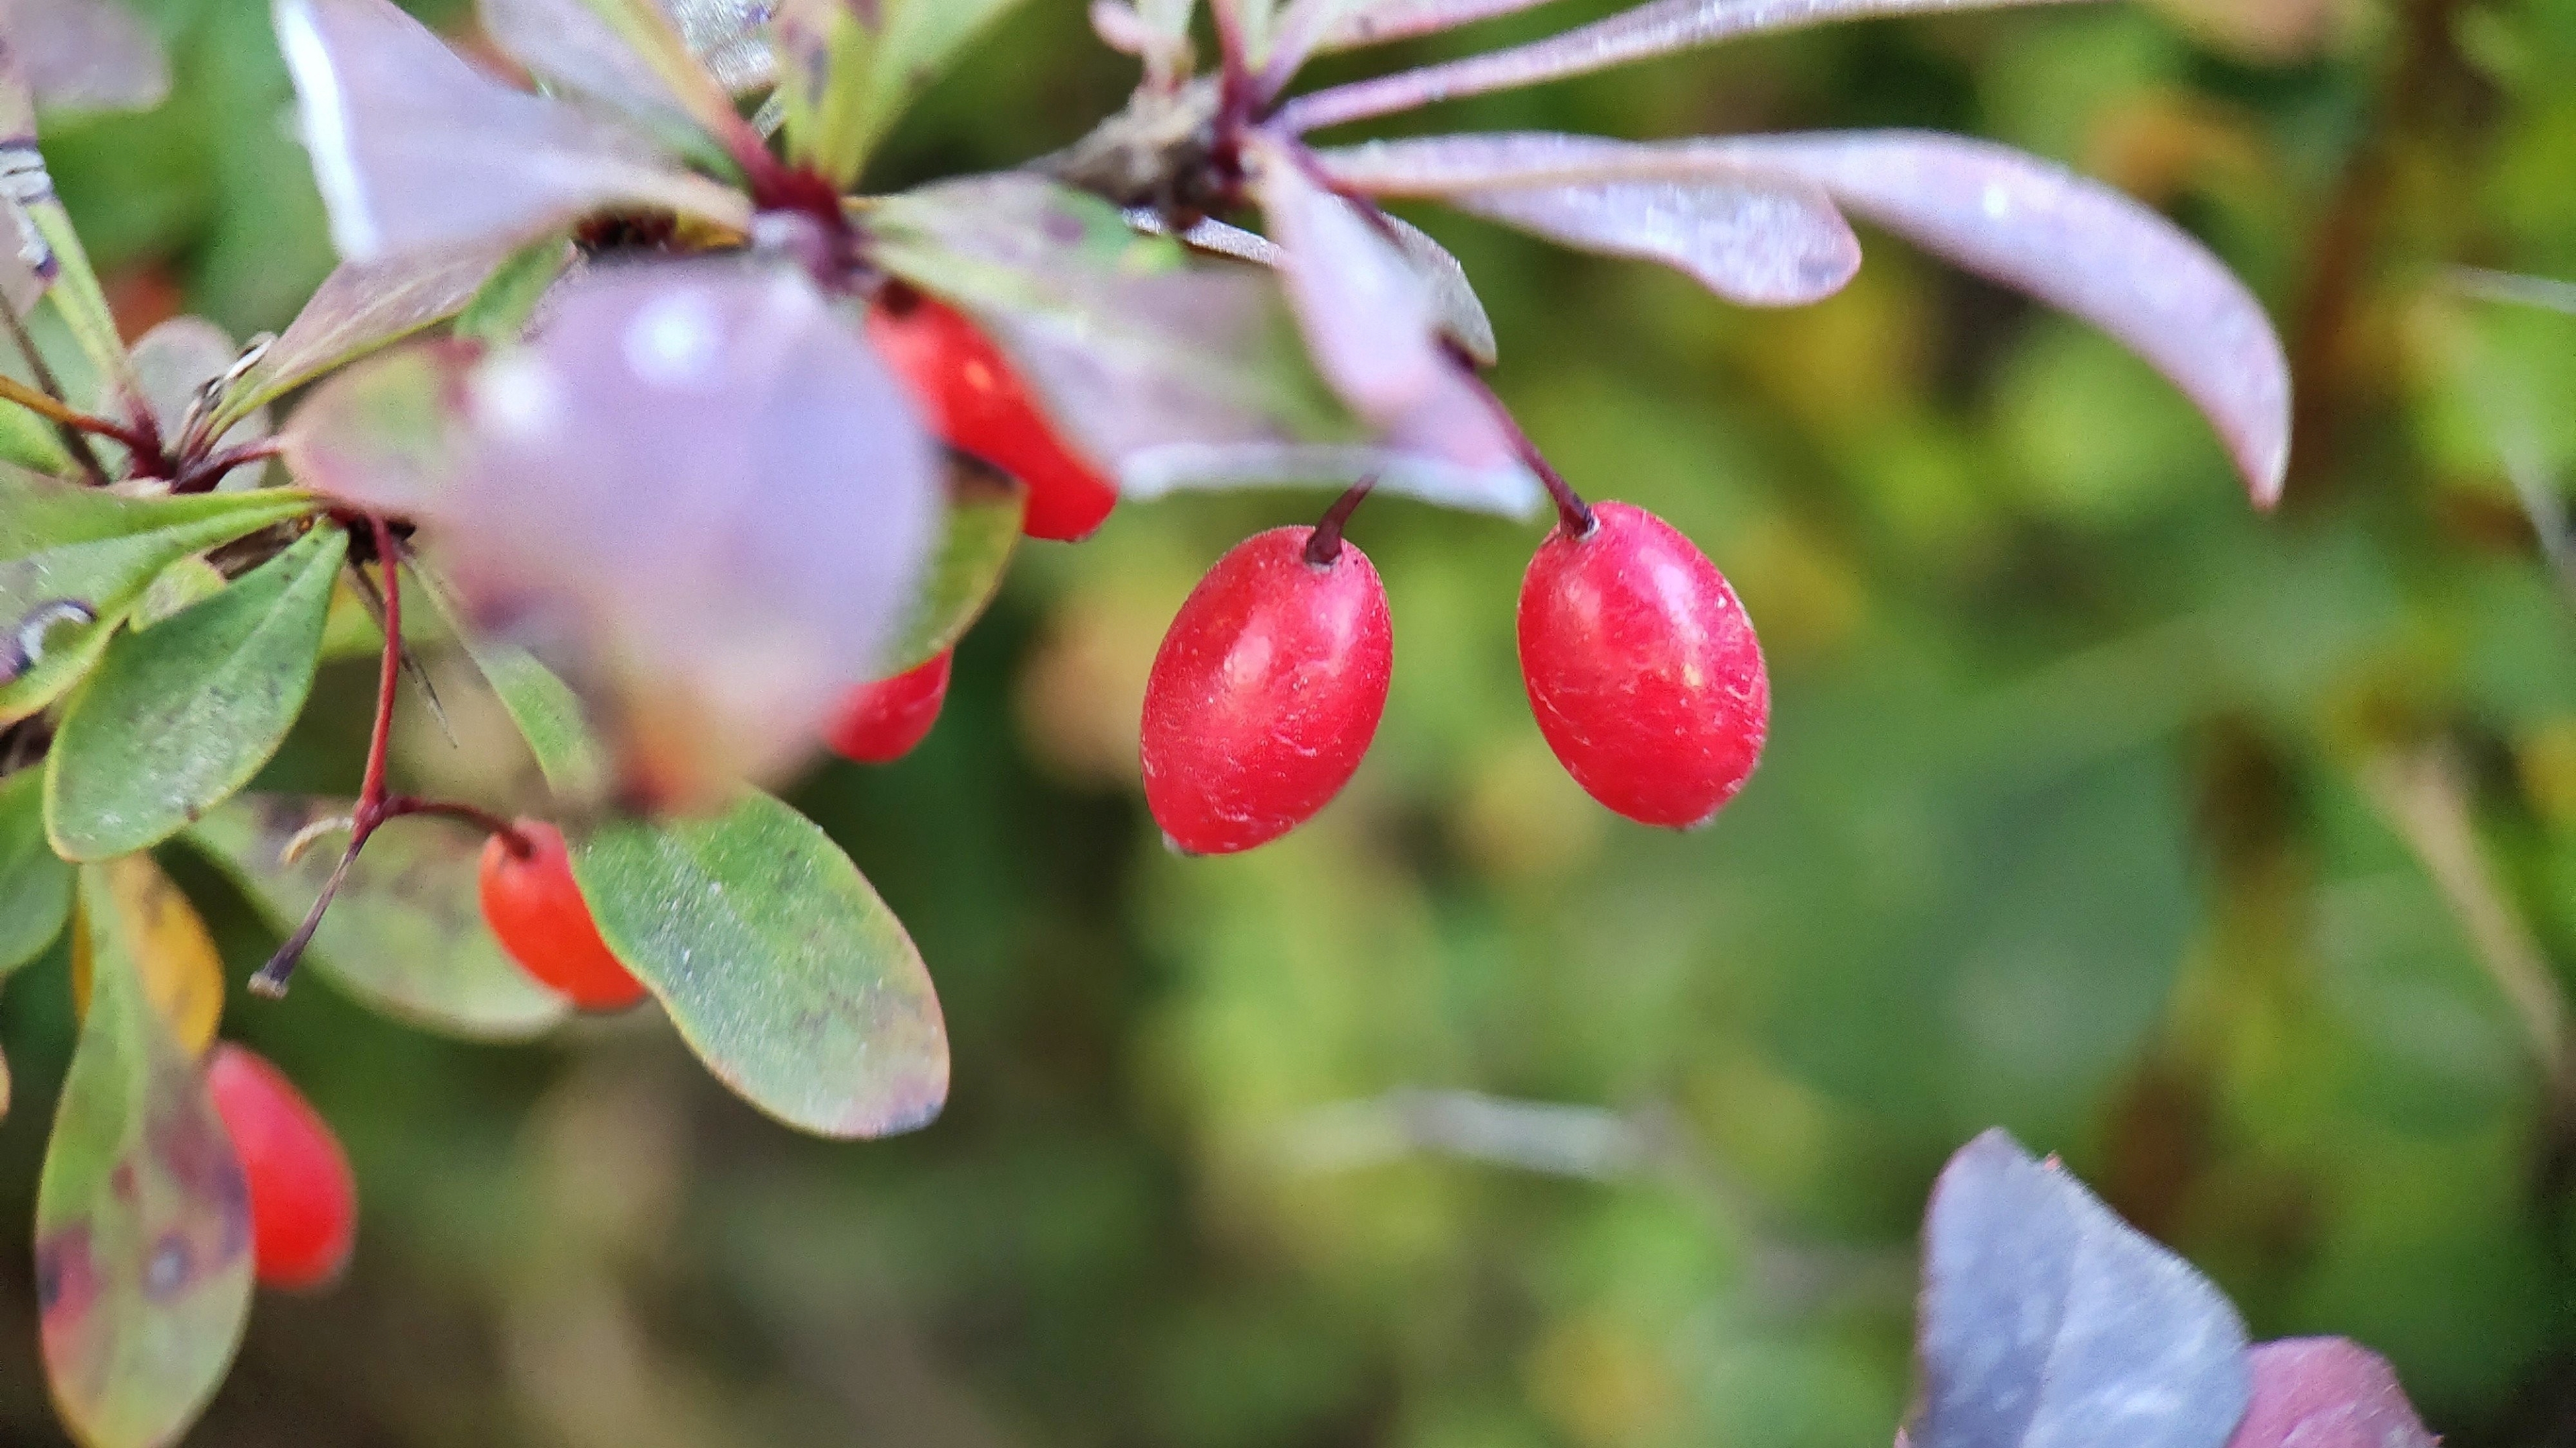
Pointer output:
x,y
2326,1392
1356,23
2077,245
705,488
1658,28
1366,311
89,55
175,362
567,45
1750,236
1461,312
415,150
359,308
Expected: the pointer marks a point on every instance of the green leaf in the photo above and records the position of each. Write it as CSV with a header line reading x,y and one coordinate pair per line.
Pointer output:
x,y
35,884
83,549
778,963
181,715
500,311
982,530
549,714
181,586
29,441
143,1246
181,970
405,934
82,303
848,72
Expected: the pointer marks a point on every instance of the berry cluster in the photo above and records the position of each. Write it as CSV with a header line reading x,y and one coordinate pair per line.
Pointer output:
x,y
1644,673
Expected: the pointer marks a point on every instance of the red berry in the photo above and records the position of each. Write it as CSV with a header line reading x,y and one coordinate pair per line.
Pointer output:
x,y
880,723
303,1201
532,904
1642,668
1265,694
977,404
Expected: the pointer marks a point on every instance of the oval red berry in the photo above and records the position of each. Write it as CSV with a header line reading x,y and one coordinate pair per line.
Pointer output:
x,y
303,1199
535,908
1643,669
880,723
1266,693
978,404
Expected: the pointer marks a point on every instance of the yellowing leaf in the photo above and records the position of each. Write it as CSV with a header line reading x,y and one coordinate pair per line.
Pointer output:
x,y
182,972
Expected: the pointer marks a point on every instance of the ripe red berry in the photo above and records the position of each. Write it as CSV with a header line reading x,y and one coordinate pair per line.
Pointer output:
x,y
532,904
303,1200
1642,668
977,404
1266,692
880,723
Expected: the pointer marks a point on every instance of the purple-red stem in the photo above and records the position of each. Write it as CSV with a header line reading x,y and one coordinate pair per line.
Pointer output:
x,y
1573,514
1324,545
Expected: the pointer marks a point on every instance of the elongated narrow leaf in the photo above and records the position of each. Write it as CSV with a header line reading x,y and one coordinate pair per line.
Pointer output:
x,y
982,530
571,46
74,560
359,308
417,151
1657,28
730,38
2326,1392
85,55
27,263
143,1245
2047,1322
76,297
2077,245
29,441
1365,310
509,300
405,935
1375,22
778,963
175,957
35,884
1460,312
1751,236
847,72
704,484
181,715
550,716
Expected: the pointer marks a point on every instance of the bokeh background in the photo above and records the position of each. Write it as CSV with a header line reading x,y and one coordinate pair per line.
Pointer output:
x,y
2232,857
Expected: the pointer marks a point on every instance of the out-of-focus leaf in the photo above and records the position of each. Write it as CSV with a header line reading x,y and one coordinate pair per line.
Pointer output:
x,y
1656,28
85,55
2326,1392
574,46
1753,237
143,1245
1460,312
77,298
549,714
1356,23
174,362
35,884
1171,377
703,484
27,264
417,151
358,309
182,972
1365,309
183,584
80,557
778,963
388,435
847,71
405,934
1171,17
981,531
181,715
509,298
2047,1322
29,441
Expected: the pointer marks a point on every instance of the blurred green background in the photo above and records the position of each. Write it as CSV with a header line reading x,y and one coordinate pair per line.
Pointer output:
x,y
2232,857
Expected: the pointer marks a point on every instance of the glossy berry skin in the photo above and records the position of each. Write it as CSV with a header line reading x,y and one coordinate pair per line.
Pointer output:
x,y
532,904
303,1200
1642,668
978,405
1266,693
880,723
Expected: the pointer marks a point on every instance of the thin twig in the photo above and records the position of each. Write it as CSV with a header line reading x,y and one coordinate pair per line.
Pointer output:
x,y
1573,514
1324,545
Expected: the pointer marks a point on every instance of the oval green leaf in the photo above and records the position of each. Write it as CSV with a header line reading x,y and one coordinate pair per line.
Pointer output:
x,y
35,884
406,933
180,716
143,1256
778,963
981,531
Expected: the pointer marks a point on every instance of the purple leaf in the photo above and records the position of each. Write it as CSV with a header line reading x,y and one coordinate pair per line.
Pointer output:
x,y
88,55
2326,1392
416,151
388,435
2047,1322
1750,236
1658,28
702,484
2077,245
1366,310
1374,22
1461,312
175,362
567,45
359,308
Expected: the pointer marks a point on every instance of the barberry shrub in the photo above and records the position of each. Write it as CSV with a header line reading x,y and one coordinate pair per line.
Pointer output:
x,y
630,393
